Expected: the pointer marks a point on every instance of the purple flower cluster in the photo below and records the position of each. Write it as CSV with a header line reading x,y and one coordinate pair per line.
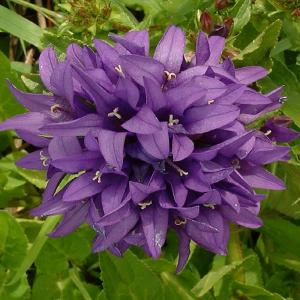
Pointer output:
x,y
152,143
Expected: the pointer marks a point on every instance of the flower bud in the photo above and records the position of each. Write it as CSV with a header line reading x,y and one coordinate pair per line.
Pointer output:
x,y
221,4
206,22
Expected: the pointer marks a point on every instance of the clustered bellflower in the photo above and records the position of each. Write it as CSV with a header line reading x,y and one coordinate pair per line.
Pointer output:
x,y
156,143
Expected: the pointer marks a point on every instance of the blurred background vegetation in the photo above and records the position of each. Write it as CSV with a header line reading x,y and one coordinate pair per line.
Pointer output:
x,y
262,264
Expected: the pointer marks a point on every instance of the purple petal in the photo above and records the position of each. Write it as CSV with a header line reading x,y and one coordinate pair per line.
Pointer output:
x,y
140,191
202,49
228,147
182,147
206,118
156,144
77,127
52,185
170,49
127,91
33,139
63,147
113,194
244,218
102,99
32,161
33,102
109,57
216,46
115,233
258,177
190,73
62,81
47,64
140,38
155,225
144,122
178,189
252,97
264,152
138,67
215,242
248,75
74,54
231,95
129,45
72,219
155,98
112,147
77,162
182,97
113,217
31,122
83,187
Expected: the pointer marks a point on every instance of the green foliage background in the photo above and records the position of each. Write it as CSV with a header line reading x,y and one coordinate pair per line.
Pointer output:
x,y
261,265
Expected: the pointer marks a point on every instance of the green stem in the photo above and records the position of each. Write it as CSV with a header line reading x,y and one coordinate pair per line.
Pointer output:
x,y
36,247
75,278
38,8
235,252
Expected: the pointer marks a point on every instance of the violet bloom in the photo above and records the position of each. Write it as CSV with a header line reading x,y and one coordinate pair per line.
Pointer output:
x,y
152,143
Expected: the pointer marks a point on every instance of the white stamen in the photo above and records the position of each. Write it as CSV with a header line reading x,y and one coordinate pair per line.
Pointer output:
x,y
54,108
170,75
97,176
211,101
268,132
44,159
115,113
208,205
178,169
283,99
144,204
179,222
172,121
118,68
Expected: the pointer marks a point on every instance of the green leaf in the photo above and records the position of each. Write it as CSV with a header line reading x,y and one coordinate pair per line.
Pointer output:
x,y
128,278
13,242
20,67
9,106
173,285
20,27
283,233
208,281
256,292
35,248
242,13
7,163
291,205
257,52
13,249
282,75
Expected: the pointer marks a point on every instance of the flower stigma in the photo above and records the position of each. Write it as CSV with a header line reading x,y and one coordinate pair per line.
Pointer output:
x,y
172,121
179,221
55,108
178,169
170,75
209,205
118,68
44,159
115,113
268,132
97,176
283,99
144,204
